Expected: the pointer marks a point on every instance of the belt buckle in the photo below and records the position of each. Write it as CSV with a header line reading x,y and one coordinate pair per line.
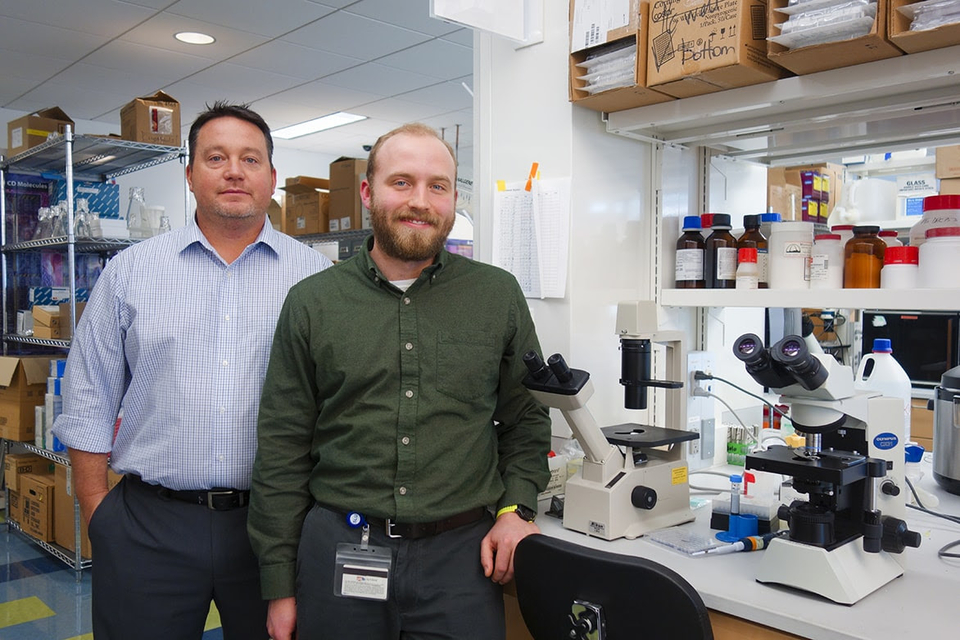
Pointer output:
x,y
211,495
390,524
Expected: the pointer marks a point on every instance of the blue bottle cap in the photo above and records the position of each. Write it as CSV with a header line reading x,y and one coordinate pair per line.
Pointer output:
x,y
770,217
914,452
882,345
691,222
736,478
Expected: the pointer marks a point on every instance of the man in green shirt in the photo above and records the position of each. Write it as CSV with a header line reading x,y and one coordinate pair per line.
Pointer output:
x,y
392,417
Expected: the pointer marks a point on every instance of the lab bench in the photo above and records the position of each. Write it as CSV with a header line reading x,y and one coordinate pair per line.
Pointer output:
x,y
921,603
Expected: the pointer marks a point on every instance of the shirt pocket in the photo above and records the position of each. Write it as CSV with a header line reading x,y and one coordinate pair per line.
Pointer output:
x,y
468,364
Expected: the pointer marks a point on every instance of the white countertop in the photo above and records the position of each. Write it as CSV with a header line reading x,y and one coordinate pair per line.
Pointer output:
x,y
922,603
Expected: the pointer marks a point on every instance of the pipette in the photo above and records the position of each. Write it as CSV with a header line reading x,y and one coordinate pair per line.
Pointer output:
x,y
749,543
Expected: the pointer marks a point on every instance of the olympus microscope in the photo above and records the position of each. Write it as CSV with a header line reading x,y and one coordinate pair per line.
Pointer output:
x,y
847,539
622,493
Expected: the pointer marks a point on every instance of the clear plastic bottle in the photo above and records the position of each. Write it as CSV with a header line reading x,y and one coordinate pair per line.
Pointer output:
x,y
753,238
690,255
886,377
938,211
748,271
900,268
720,264
826,262
863,258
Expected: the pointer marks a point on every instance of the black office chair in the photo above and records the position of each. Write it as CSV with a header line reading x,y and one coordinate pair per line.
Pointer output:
x,y
569,592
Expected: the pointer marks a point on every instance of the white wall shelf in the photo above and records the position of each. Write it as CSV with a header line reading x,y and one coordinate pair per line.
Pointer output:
x,y
887,299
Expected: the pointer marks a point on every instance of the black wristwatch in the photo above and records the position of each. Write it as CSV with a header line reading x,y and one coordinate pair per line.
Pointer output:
x,y
526,513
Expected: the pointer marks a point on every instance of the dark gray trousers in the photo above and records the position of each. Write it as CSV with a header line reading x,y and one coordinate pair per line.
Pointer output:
x,y
158,563
437,589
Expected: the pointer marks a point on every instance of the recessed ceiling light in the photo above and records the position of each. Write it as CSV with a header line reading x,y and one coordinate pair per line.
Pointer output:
x,y
192,37
317,124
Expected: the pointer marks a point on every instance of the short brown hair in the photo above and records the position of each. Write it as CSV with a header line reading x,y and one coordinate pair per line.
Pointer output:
x,y
413,129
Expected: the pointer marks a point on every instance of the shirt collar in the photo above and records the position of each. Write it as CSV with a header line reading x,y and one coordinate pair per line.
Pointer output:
x,y
193,235
373,271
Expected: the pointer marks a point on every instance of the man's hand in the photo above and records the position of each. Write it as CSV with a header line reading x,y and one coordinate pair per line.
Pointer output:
x,y
282,618
496,549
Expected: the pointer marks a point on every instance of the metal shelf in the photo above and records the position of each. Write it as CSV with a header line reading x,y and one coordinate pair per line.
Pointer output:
x,y
46,453
60,553
40,342
94,158
81,245
886,299
889,105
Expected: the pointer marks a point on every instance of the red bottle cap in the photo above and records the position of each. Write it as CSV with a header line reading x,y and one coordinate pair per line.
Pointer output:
x,y
888,234
842,227
829,236
901,255
937,203
747,254
706,220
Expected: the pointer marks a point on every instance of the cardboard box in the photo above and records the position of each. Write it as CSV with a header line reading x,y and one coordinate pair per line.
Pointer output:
x,y
707,46
346,208
66,331
33,129
950,186
948,161
785,193
23,384
898,29
305,210
16,465
63,507
46,322
308,181
618,99
595,22
832,55
103,198
36,498
14,506
153,119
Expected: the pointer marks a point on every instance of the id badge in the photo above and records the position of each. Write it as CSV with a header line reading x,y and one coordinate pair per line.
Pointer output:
x,y
362,571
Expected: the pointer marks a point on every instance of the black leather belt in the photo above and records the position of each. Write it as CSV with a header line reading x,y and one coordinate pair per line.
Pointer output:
x,y
215,499
415,530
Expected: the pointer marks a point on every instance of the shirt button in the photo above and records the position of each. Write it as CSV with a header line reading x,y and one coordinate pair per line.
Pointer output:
x,y
225,363
223,410
409,393
227,317
403,491
406,301
408,346
220,457
405,439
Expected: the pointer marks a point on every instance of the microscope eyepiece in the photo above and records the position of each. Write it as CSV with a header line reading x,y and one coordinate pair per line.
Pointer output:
x,y
559,367
535,365
749,349
792,353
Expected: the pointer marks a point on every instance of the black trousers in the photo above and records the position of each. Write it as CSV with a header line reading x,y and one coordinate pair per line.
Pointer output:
x,y
158,563
437,589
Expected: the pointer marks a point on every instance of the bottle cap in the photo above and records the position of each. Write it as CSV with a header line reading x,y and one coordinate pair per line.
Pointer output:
x,y
943,232
913,452
827,236
882,345
691,223
866,228
888,233
706,220
770,217
747,254
938,203
751,220
842,227
720,221
901,255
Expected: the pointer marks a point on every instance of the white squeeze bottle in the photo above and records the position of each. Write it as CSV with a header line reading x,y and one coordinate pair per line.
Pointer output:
x,y
886,377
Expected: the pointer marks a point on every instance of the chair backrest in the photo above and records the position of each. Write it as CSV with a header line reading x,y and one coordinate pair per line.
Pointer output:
x,y
640,599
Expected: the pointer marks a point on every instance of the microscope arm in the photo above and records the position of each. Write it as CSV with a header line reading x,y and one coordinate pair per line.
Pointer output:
x,y
594,443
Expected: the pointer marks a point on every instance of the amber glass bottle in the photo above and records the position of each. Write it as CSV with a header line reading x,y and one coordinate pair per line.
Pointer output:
x,y
863,258
690,252
720,264
752,238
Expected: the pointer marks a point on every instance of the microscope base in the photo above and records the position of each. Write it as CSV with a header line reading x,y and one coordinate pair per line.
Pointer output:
x,y
844,575
605,510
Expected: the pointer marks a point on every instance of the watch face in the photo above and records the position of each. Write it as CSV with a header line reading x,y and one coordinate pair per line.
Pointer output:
x,y
526,513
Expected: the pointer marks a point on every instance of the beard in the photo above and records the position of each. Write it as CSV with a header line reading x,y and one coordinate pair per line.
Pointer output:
x,y
408,245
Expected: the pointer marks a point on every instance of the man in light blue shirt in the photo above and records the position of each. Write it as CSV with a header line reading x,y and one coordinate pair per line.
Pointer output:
x,y
176,339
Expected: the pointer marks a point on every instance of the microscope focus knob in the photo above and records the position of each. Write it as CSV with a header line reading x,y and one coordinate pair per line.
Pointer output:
x,y
890,488
896,535
643,497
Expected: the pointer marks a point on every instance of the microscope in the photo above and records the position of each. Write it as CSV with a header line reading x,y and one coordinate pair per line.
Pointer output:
x,y
622,493
847,539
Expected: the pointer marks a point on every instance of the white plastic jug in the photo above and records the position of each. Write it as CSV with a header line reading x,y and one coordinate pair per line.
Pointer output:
x,y
886,377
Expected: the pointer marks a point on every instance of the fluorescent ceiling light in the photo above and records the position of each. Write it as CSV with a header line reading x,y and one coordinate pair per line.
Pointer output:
x,y
192,37
317,124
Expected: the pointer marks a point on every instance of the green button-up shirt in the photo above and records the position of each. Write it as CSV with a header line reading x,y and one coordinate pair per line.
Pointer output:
x,y
404,405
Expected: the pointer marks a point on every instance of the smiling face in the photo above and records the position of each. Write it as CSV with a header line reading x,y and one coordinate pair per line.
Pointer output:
x,y
230,174
411,198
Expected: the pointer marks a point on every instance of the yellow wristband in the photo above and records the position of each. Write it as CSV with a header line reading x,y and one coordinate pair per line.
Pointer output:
x,y
507,509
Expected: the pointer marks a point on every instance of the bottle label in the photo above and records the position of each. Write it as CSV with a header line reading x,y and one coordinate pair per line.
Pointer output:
x,y
763,260
726,263
818,264
689,265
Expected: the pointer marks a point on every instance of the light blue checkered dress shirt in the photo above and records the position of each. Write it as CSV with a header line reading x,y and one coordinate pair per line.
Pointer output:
x,y
179,340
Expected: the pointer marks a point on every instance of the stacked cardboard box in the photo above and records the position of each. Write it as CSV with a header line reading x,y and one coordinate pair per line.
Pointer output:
x,y
346,207
23,384
306,206
808,192
154,119
948,169
34,128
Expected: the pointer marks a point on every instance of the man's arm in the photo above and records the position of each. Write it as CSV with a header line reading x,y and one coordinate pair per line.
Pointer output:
x,y
89,480
279,491
282,618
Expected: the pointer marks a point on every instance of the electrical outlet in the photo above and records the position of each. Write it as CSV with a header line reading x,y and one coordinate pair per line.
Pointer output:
x,y
700,411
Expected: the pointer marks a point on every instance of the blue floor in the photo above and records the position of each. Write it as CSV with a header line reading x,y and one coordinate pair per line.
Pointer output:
x,y
41,599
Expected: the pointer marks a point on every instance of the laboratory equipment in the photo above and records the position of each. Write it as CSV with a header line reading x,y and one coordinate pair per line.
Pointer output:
x,y
847,539
623,493
946,431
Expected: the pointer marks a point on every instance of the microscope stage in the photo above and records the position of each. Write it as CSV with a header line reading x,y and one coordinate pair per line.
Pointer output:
x,y
836,467
641,436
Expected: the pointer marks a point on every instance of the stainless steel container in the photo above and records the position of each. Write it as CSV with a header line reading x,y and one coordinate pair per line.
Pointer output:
x,y
946,431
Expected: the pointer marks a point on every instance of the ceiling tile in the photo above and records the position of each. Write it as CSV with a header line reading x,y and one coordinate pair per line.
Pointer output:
x,y
136,58
463,36
10,90
32,67
293,60
228,78
327,98
355,36
450,96
84,104
52,42
437,58
378,79
396,110
158,32
98,17
270,19
409,14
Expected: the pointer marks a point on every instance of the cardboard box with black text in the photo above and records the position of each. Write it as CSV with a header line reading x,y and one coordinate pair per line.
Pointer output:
x,y
33,129
154,119
305,210
596,22
18,464
23,384
36,498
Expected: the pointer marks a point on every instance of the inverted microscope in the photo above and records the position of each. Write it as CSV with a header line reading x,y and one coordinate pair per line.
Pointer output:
x,y
623,493
847,539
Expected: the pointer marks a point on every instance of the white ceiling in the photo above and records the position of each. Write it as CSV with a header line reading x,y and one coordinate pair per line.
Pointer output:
x,y
293,60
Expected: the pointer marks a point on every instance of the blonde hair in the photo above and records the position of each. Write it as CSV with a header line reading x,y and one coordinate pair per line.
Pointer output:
x,y
413,129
